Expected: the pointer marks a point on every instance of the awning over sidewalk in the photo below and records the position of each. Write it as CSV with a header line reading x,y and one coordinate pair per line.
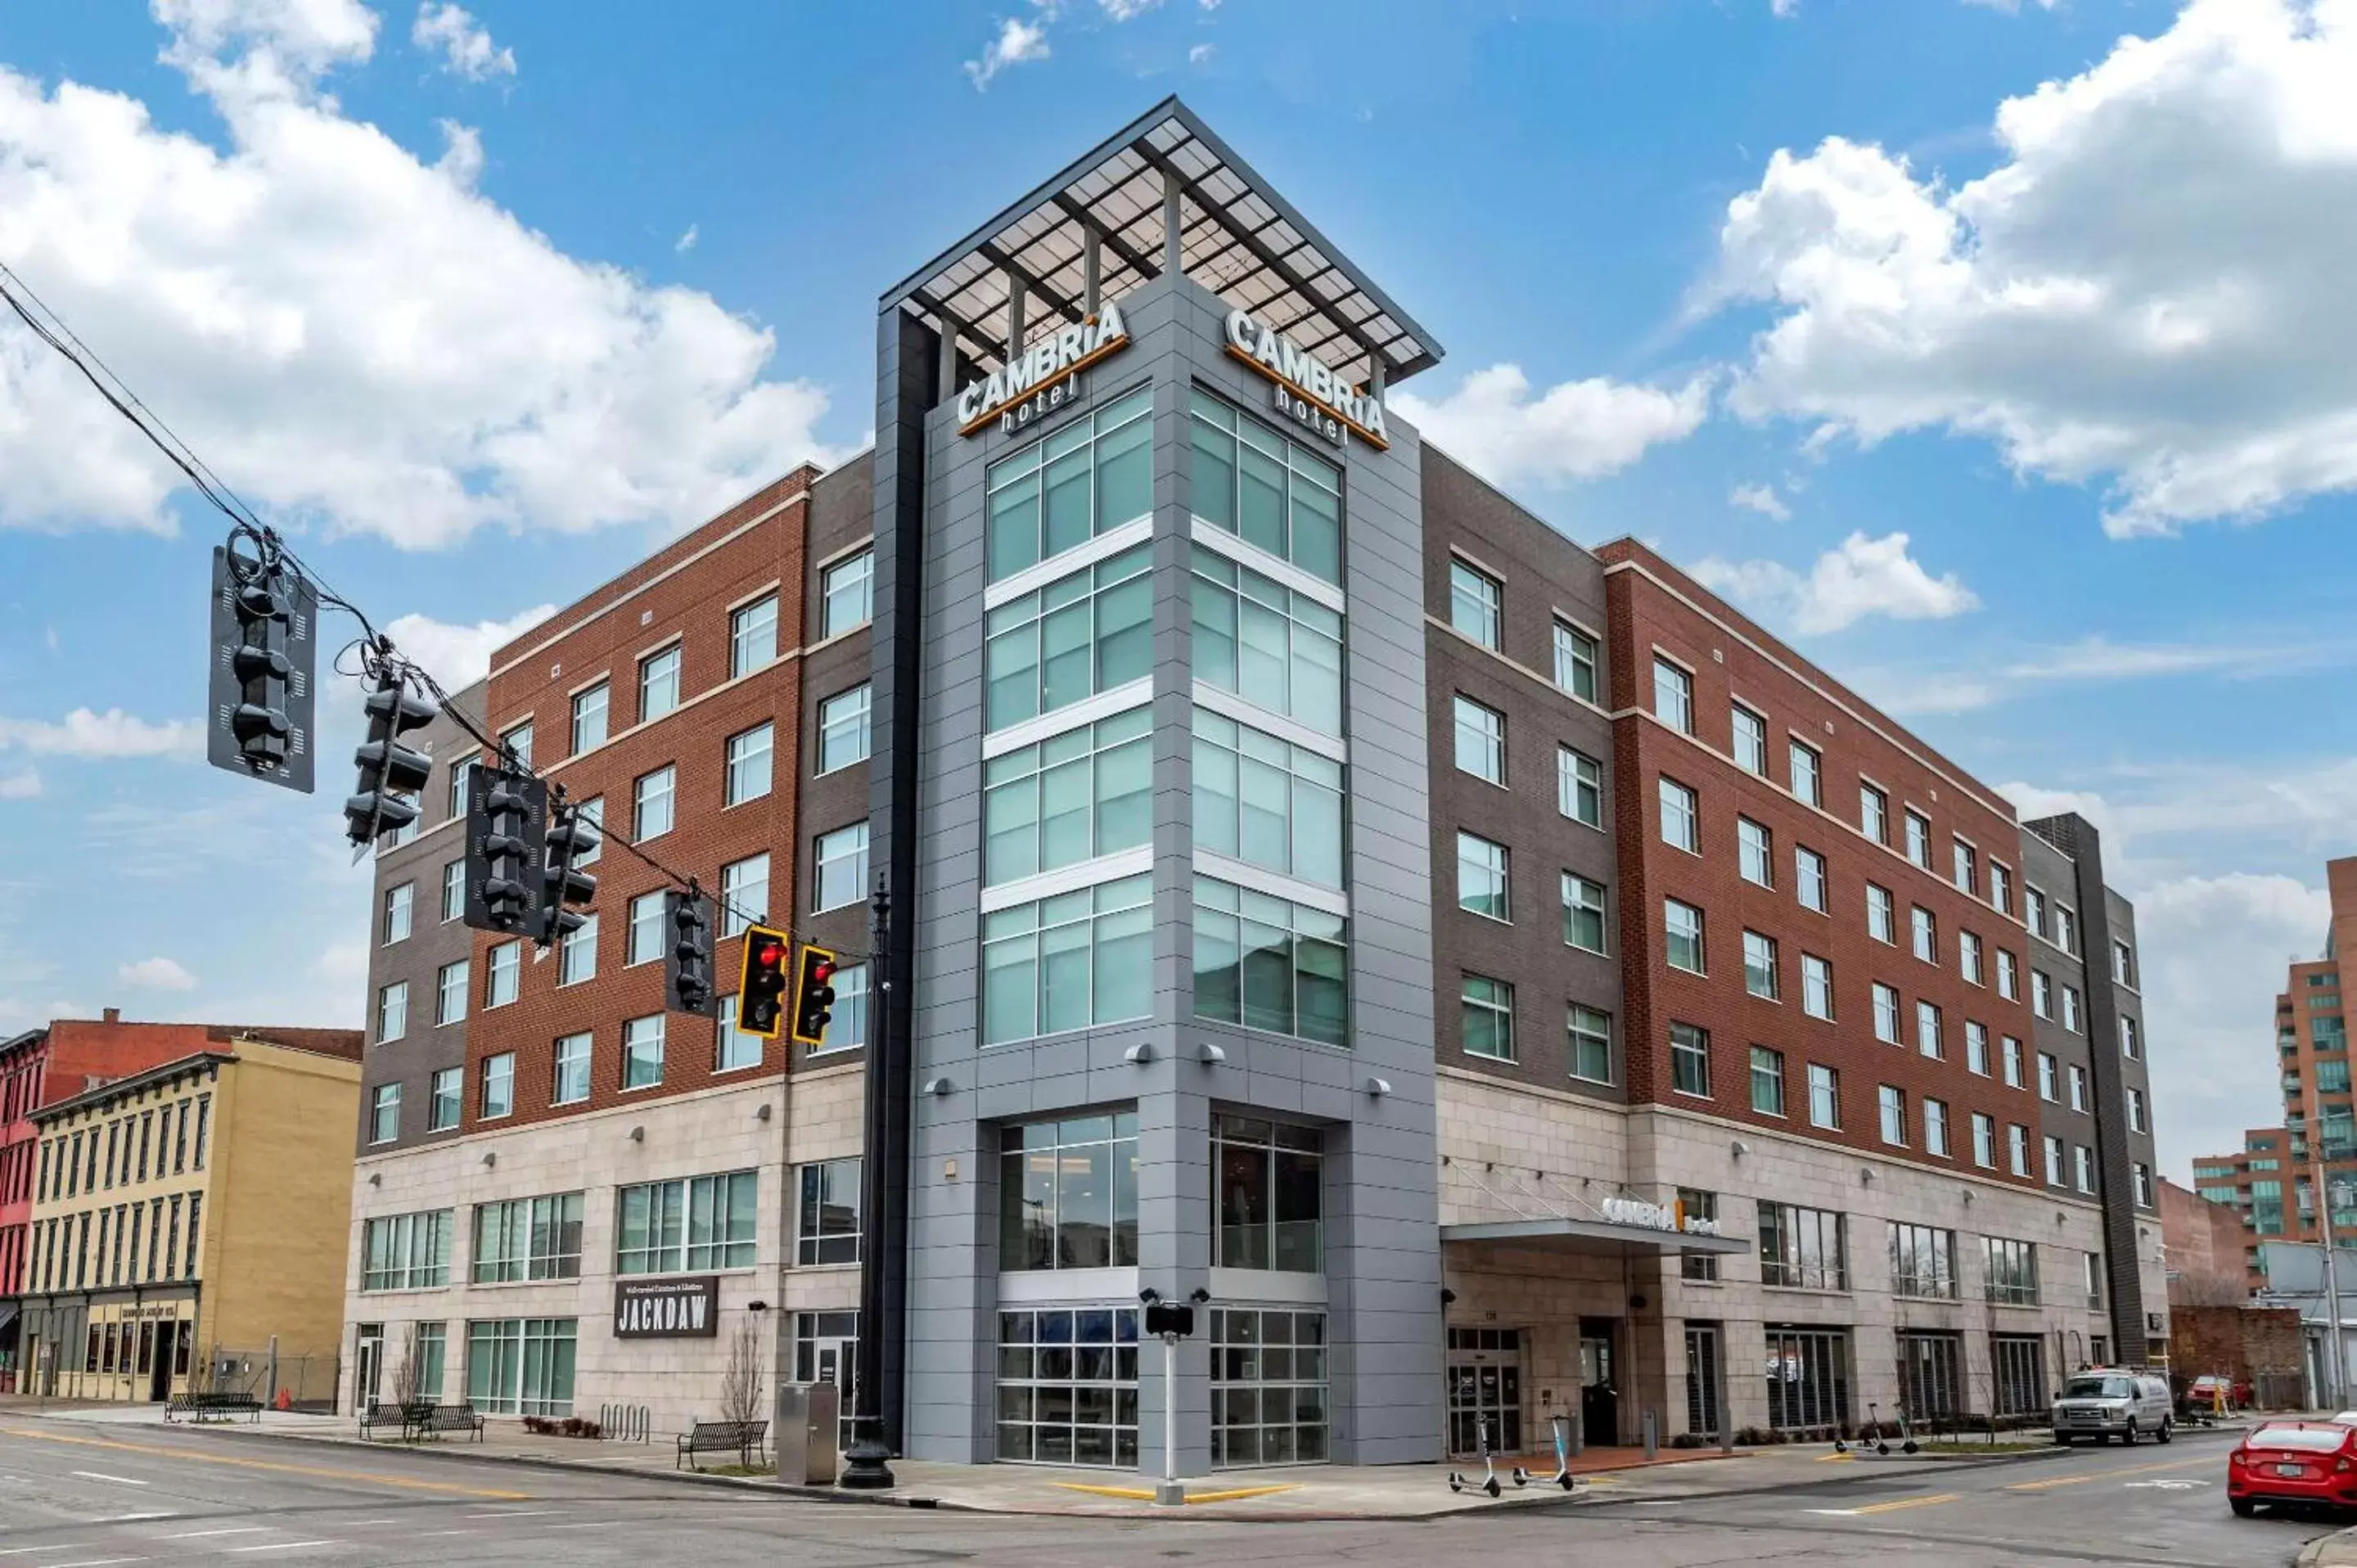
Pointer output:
x,y
1565,1233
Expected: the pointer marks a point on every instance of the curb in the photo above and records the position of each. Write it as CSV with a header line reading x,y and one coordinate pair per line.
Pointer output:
x,y
2312,1554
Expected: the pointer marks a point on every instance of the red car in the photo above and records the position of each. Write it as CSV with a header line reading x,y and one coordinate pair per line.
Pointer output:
x,y
2294,1462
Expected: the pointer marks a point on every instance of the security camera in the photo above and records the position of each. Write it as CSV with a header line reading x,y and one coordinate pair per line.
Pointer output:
x,y
1149,1296
1200,1295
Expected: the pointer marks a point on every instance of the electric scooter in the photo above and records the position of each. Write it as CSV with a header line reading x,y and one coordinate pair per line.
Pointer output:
x,y
1458,1482
1563,1477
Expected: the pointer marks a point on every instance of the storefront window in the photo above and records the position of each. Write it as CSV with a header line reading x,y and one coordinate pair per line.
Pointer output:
x,y
1091,477
528,1239
688,1226
1265,489
1267,1194
1068,1192
1068,1386
521,1366
1268,1387
1268,964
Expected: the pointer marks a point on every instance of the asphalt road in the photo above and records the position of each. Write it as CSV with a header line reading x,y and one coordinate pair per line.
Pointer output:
x,y
82,1499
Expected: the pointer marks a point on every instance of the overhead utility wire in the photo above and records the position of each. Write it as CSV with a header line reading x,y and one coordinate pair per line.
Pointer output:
x,y
377,650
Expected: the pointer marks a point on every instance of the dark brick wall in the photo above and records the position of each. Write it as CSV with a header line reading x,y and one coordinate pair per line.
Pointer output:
x,y
842,523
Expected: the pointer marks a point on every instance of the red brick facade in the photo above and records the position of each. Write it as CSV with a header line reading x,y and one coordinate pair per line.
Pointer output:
x,y
682,594
1655,608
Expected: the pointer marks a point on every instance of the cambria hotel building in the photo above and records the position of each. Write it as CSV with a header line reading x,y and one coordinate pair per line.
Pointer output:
x,y
1509,981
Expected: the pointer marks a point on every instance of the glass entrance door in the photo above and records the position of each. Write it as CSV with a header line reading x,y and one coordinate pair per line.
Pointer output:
x,y
1485,1391
1703,1370
369,1366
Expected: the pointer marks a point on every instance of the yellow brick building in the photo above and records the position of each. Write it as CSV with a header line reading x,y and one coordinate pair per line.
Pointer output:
x,y
187,1225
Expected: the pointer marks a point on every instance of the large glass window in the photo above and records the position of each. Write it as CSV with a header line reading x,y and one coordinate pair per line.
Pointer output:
x,y
1476,604
1486,1019
1068,1192
1681,817
1591,1048
687,1226
843,729
642,1051
658,683
521,1366
847,595
749,756
1923,1262
589,719
528,1239
404,1252
1068,1386
1071,797
1268,1387
1578,786
1267,1194
842,871
752,635
1265,489
826,1226
1259,799
1481,877
1275,648
1802,1248
1078,635
1089,477
1268,964
2012,1278
1575,661
1066,963
1583,912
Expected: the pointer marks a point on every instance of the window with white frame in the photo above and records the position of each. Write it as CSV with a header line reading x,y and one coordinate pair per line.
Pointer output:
x,y
1476,604
749,757
1089,792
1750,733
577,952
397,902
2135,1111
1809,878
2123,964
444,1091
642,1051
1890,1106
2070,1020
2011,1270
743,893
523,1239
2000,887
592,813
385,1113
1690,1060
2008,976
2082,1169
451,993
1968,954
2041,993
1760,976
1976,1054
589,718
1681,820
1578,786
1825,1097
392,1011
1486,1019
840,877
1886,1014
518,742
1924,932
454,891
1873,813
1065,962
2009,1049
1583,912
847,595
1767,1080
503,976
2053,1153
1575,661
1808,773
1481,740
2048,1077
1682,926
1481,877
1816,986
688,1226
1935,1127
1590,1054
2076,1080
405,1252
752,635
1983,1141
1928,1039
1755,853
848,1031
732,1047
826,1222
498,1084
658,683
1918,839
1967,871
2066,929
2140,1175
843,729
1673,696
2016,1148
2033,909
2128,1045
1881,915
650,815
570,1083
462,769
643,941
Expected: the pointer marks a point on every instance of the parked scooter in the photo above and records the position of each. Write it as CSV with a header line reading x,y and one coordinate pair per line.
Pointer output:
x,y
1563,1476
1458,1482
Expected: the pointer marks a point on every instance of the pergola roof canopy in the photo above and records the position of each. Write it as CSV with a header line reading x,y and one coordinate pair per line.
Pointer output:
x,y
1237,238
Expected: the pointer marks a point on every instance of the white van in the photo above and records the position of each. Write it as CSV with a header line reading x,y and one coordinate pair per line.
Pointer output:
x,y
2104,1402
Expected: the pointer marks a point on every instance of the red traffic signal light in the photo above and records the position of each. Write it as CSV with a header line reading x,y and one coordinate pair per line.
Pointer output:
x,y
762,986
814,997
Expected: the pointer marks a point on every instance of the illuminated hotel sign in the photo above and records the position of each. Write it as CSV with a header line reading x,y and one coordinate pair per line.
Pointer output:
x,y
1044,377
1654,1217
1307,390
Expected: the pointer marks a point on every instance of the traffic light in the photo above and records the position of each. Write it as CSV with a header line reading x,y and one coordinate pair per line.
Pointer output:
x,y
813,996
389,770
570,838
263,665
762,986
507,836
687,955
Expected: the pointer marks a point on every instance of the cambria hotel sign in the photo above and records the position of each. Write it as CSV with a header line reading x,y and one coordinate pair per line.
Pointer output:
x,y
1306,390
1044,377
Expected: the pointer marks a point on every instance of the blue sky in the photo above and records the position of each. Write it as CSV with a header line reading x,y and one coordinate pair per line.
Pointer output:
x,y
1994,354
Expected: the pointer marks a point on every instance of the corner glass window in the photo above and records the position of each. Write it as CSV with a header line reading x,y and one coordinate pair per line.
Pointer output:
x,y
1265,489
1259,799
1076,636
1089,477
1068,1192
1067,962
1267,1187
1267,963
1260,641
1073,797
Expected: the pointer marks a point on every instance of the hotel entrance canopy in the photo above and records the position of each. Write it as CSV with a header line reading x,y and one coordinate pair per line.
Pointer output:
x,y
1569,1233
1551,1213
1163,191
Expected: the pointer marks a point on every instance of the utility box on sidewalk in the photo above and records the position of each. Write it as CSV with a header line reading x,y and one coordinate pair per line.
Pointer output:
x,y
807,1427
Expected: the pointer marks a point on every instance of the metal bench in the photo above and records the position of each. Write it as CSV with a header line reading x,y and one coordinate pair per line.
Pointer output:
x,y
383,1413
212,1406
432,1419
738,1437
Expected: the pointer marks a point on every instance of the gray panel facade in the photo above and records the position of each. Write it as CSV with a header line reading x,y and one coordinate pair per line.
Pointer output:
x,y
1374,1101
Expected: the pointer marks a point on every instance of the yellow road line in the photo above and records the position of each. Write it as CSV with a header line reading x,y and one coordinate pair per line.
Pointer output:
x,y
1837,1459
320,1471
1898,1503
1138,1494
1235,1492
1146,1495
2054,1481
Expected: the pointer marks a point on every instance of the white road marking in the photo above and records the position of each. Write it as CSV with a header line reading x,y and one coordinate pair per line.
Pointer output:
x,y
129,1518
232,1530
69,1546
97,1562
599,1524
521,1513
103,1476
284,1545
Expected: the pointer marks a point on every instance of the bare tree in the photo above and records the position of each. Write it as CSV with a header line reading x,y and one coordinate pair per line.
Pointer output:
x,y
740,1381
408,1375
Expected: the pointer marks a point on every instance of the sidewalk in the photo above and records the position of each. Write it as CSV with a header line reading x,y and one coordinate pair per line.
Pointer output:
x,y
1300,1492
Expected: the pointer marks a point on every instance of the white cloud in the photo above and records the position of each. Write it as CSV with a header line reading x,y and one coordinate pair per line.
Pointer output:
x,y
1575,430
465,44
1016,41
157,974
1783,9
1907,694
112,734
25,784
686,241
455,655
1201,53
2132,295
1761,499
2010,7
1858,578
1127,10
350,336
2096,658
